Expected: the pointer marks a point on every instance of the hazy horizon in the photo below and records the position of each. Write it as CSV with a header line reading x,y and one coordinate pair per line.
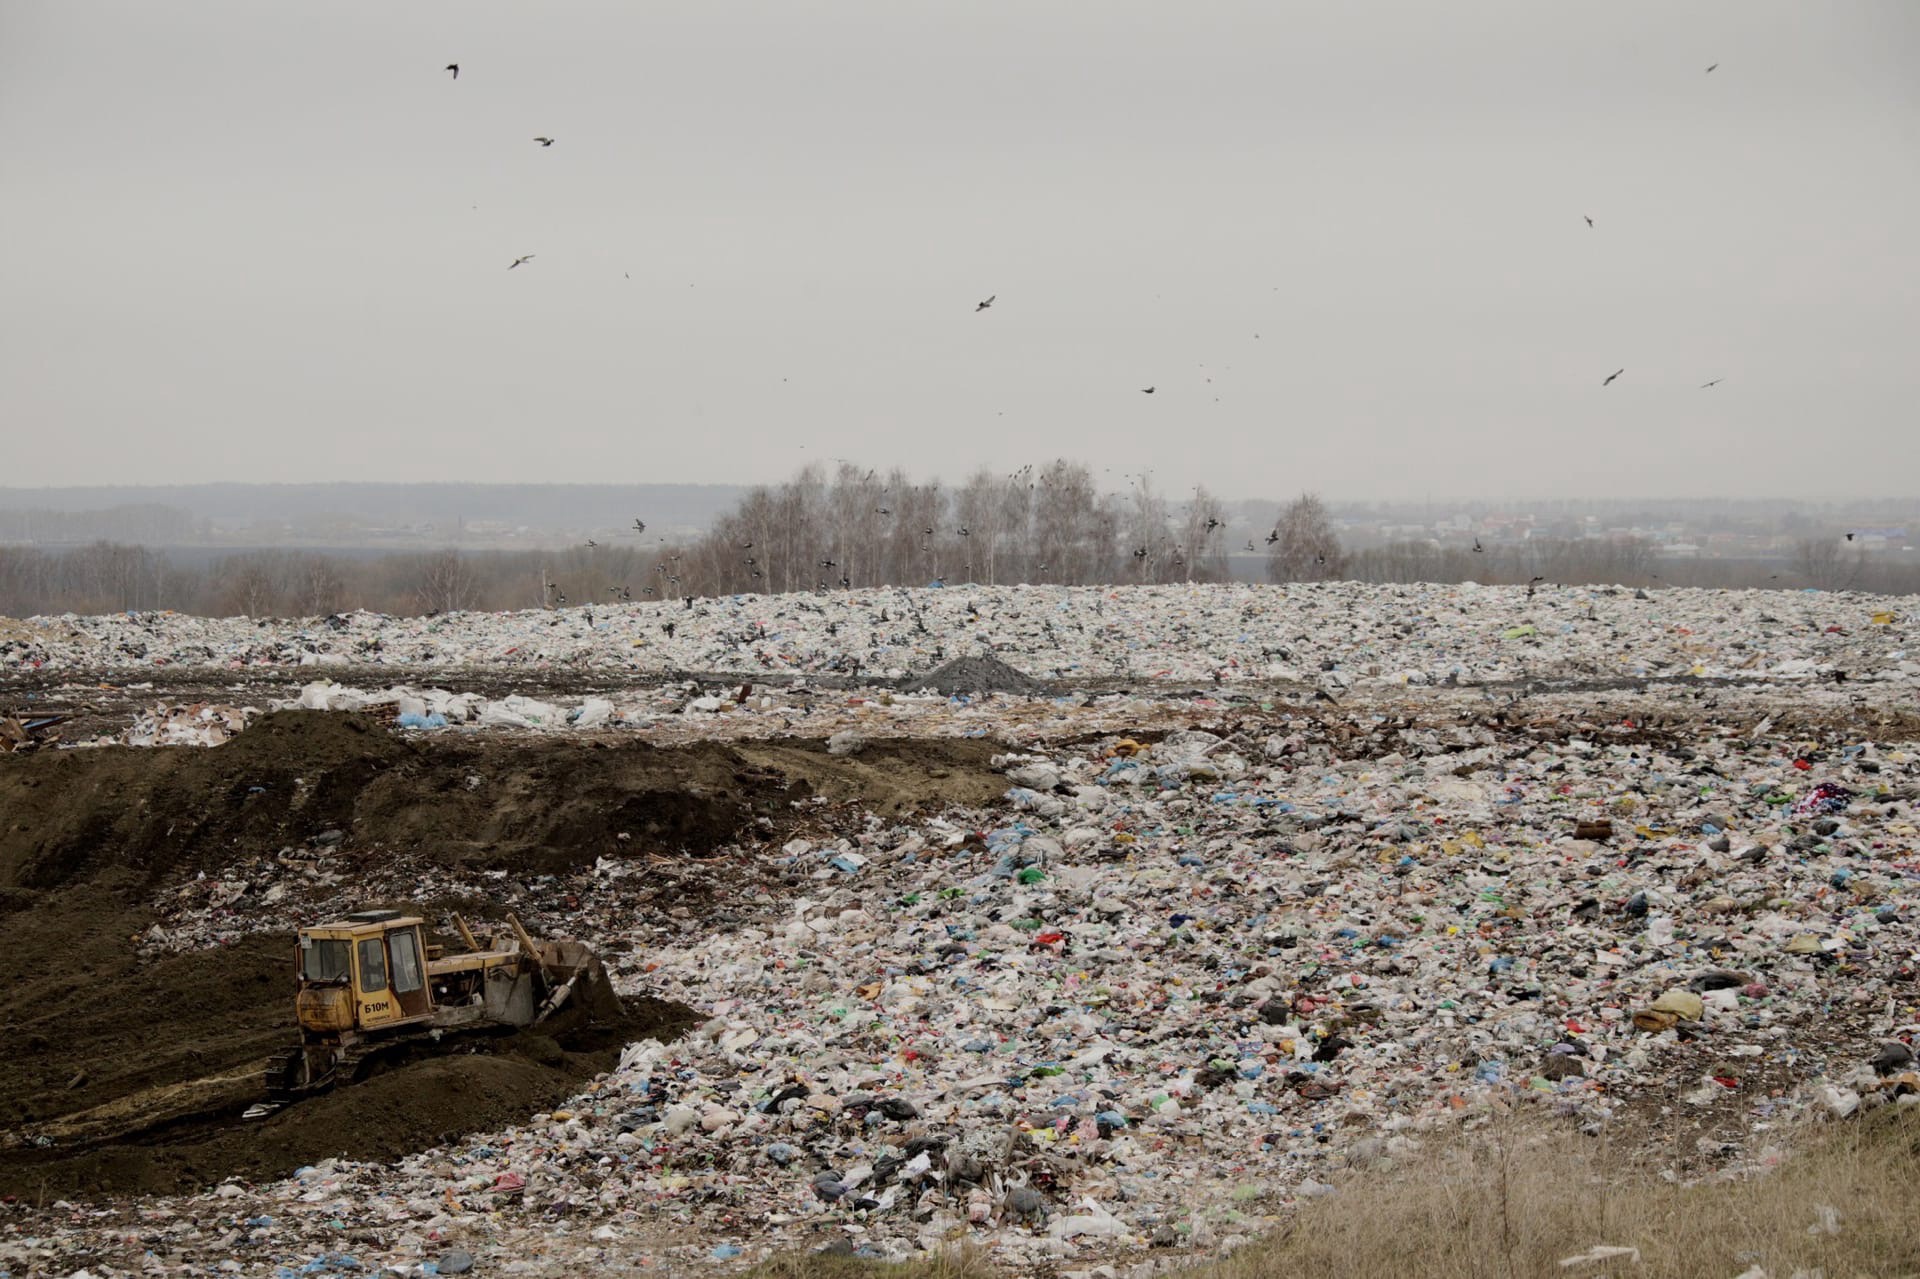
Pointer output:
x,y
245,245
13,497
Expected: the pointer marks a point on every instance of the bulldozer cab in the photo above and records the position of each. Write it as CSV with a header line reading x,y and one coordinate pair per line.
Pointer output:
x,y
364,972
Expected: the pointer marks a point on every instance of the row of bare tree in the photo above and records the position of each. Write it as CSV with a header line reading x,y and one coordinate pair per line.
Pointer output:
x,y
1037,524
858,528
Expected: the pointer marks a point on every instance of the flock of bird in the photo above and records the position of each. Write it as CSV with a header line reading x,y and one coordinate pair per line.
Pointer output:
x,y
985,304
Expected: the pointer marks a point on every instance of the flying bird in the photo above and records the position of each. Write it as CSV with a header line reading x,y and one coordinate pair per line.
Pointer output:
x,y
545,142
517,261
1589,220
984,305
1609,380
640,526
455,68
1709,70
1716,382
1849,537
591,543
1476,545
1146,390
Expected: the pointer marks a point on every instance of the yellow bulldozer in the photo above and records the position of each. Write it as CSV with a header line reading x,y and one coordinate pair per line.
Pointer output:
x,y
371,986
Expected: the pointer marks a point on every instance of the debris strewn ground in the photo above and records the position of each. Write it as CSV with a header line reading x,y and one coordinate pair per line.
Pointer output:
x,y
1096,970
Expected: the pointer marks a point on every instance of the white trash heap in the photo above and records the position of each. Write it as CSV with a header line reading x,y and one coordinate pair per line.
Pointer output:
x,y
1336,635
1162,992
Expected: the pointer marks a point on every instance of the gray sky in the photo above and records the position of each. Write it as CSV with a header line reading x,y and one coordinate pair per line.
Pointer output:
x,y
242,242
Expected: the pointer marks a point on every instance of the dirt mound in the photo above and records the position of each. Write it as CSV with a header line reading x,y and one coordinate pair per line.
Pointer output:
x,y
140,816
429,1101
92,840
98,1037
84,1022
982,674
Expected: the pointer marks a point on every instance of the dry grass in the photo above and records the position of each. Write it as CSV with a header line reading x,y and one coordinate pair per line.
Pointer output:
x,y
1514,1202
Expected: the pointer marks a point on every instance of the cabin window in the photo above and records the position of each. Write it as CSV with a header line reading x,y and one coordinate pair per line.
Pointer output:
x,y
373,966
325,959
406,962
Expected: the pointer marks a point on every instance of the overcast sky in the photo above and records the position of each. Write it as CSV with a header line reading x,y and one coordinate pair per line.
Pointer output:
x,y
270,242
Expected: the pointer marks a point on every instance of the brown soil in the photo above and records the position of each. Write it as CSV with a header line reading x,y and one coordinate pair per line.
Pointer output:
x,y
142,1067
543,805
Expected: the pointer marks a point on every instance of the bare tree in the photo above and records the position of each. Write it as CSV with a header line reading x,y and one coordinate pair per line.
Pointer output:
x,y
1824,564
318,587
1307,550
251,585
1203,553
444,582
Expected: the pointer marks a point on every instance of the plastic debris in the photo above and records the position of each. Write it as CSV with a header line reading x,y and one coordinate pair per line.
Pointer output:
x,y
1217,942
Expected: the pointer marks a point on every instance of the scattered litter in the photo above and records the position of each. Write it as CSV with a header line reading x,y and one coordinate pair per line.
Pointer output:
x,y
1207,945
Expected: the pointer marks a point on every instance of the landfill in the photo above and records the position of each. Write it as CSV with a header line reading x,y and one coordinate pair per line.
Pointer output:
x,y
1273,887
1335,635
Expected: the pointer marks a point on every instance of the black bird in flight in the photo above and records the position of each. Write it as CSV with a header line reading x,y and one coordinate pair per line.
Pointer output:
x,y
1589,220
978,307
640,526
1709,70
591,543
1716,382
1476,545
455,68
1146,391
1273,537
1849,537
545,142
517,261
1609,379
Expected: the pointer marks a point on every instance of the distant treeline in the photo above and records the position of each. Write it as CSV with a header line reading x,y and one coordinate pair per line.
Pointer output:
x,y
336,512
859,528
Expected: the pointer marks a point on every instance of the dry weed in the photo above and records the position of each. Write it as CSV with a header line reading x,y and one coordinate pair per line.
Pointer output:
x,y
1517,1202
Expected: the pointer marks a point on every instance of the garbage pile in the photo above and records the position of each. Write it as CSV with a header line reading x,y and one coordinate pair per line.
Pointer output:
x,y
195,724
1175,982
1337,635
26,731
